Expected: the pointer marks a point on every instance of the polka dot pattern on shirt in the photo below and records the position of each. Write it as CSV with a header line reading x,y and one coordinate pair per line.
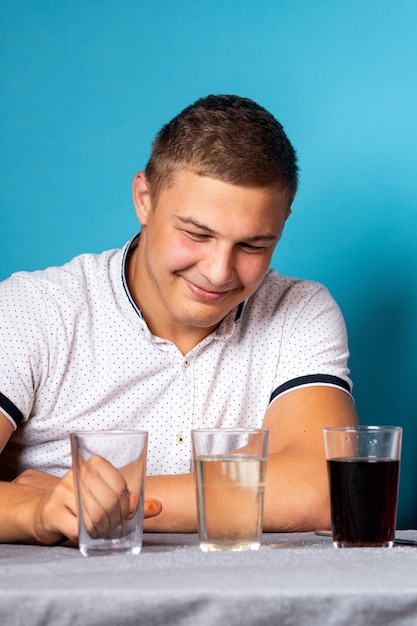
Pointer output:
x,y
76,354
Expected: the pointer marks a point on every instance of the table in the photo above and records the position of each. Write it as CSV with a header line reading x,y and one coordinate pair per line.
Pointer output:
x,y
295,579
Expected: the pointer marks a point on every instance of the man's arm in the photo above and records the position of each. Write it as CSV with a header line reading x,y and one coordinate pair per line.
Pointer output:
x,y
297,491
20,505
40,507
297,495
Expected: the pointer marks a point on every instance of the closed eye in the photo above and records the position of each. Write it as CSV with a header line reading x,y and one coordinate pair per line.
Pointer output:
x,y
247,247
197,236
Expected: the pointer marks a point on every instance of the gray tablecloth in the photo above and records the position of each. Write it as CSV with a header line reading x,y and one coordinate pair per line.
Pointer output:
x,y
294,579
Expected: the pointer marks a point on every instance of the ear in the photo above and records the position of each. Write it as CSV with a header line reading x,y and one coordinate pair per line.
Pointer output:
x,y
141,197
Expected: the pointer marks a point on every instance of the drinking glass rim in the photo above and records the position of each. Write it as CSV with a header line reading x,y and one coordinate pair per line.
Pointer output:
x,y
229,430
104,433
361,427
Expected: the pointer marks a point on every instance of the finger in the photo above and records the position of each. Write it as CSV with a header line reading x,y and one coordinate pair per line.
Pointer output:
x,y
104,495
151,507
133,504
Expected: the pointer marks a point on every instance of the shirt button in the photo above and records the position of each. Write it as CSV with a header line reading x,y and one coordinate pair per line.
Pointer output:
x,y
180,439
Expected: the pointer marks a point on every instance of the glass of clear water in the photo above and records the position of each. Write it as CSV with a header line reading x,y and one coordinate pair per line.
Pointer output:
x,y
229,467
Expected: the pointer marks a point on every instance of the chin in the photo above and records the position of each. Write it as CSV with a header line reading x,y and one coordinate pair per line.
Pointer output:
x,y
210,325
203,321
204,314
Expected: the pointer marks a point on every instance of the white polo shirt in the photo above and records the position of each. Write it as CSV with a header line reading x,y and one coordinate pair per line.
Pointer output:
x,y
76,353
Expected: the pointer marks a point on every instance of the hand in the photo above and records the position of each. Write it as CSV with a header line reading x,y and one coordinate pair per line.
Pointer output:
x,y
36,478
105,497
56,512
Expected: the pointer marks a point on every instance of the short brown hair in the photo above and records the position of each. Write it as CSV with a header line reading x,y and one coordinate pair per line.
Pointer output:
x,y
225,137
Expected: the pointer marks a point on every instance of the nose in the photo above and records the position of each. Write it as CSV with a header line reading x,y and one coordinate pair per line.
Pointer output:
x,y
218,266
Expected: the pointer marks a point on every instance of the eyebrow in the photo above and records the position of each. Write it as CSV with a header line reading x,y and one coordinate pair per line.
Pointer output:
x,y
192,222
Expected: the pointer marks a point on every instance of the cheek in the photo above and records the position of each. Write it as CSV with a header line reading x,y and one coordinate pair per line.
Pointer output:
x,y
253,269
181,253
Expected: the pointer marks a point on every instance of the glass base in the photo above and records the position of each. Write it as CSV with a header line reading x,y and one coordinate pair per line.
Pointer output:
x,y
343,544
229,546
110,550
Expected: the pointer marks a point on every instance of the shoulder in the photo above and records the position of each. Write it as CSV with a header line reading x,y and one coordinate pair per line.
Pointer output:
x,y
285,306
60,293
77,274
279,293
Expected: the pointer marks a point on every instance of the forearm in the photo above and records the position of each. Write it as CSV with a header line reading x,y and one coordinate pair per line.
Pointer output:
x,y
178,497
38,507
297,491
19,507
296,495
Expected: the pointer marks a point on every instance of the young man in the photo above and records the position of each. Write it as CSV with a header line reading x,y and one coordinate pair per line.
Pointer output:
x,y
185,327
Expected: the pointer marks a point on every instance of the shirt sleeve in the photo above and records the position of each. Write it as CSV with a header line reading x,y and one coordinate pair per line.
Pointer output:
x,y
314,346
24,338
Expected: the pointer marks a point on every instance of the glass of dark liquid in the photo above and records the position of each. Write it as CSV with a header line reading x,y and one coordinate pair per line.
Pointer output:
x,y
363,465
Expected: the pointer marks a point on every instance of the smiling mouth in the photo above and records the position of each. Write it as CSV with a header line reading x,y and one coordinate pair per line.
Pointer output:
x,y
204,294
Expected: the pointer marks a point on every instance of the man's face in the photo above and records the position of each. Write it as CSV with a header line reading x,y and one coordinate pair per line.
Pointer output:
x,y
204,248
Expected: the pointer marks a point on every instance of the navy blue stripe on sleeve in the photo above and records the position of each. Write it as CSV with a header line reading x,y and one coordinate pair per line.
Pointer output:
x,y
312,379
11,410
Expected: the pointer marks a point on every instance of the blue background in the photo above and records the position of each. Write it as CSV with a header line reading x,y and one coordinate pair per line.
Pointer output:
x,y
85,85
